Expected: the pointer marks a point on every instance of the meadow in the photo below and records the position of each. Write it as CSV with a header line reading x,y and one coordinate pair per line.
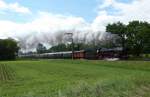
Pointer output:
x,y
78,78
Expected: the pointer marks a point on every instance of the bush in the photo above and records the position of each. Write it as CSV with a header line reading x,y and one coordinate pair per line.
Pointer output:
x,y
8,49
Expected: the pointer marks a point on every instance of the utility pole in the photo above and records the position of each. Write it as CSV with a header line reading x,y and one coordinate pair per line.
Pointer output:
x,y
70,35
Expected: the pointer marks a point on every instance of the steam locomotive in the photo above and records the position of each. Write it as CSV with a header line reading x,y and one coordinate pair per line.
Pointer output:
x,y
93,54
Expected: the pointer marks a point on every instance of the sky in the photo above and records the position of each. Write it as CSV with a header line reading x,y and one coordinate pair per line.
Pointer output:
x,y
32,20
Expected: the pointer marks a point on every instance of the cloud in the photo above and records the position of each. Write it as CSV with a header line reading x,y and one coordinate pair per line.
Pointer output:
x,y
124,12
43,22
106,3
48,21
43,28
14,7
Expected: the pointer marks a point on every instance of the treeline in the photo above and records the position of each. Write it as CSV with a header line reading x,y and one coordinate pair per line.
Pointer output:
x,y
8,49
61,47
134,37
95,44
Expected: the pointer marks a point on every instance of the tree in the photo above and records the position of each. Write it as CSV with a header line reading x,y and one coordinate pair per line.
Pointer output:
x,y
138,34
135,36
119,29
58,48
8,49
40,48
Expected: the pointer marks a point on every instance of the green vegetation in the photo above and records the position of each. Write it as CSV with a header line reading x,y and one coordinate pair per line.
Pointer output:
x,y
80,78
134,37
8,49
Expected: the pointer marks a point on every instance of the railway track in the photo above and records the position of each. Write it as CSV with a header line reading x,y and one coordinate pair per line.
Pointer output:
x,y
6,73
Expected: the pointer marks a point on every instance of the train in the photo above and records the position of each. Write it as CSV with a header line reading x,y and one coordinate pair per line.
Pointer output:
x,y
91,54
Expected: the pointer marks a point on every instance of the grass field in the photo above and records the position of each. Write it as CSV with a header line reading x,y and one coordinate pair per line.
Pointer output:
x,y
80,78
